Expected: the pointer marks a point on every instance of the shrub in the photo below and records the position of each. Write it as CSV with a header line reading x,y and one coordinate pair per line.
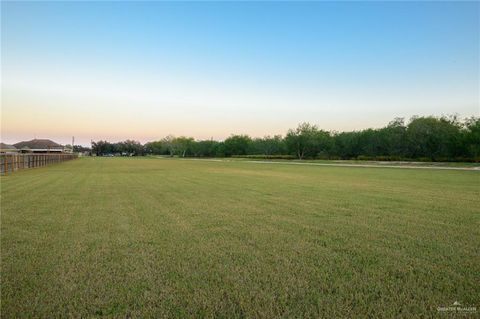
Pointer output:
x,y
365,158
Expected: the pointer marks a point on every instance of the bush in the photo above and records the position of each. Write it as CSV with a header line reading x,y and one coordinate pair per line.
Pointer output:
x,y
365,158
323,157
467,159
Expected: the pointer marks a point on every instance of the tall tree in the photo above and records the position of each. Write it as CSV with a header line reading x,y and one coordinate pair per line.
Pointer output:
x,y
431,137
182,145
301,141
169,143
472,138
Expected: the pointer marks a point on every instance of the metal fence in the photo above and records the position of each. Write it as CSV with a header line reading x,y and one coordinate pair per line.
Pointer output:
x,y
12,162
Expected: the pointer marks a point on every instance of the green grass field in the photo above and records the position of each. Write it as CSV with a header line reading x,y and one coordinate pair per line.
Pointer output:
x,y
152,238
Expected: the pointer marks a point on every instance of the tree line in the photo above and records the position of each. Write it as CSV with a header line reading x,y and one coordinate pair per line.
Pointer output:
x,y
429,138
128,147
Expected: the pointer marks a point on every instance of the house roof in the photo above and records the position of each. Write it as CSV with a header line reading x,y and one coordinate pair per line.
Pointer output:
x,y
4,146
38,144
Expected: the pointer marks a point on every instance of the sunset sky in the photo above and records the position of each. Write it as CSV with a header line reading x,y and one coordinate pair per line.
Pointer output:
x,y
117,70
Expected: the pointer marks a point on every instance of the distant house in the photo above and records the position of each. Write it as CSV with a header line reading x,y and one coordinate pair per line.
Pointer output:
x,y
41,146
7,149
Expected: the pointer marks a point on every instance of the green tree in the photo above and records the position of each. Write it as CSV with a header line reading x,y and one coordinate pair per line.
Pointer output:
x,y
156,147
432,137
269,145
205,148
323,143
302,141
472,138
394,138
169,144
345,145
182,145
237,145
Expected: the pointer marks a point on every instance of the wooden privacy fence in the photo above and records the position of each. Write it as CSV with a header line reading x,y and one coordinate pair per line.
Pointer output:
x,y
13,162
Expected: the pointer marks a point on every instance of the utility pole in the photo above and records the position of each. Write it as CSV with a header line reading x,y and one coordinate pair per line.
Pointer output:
x,y
73,142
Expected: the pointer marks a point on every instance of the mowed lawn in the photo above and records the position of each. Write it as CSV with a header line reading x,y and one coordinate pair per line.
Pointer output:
x,y
153,238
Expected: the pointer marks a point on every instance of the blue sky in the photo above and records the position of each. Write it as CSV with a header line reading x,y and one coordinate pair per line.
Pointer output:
x,y
143,70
